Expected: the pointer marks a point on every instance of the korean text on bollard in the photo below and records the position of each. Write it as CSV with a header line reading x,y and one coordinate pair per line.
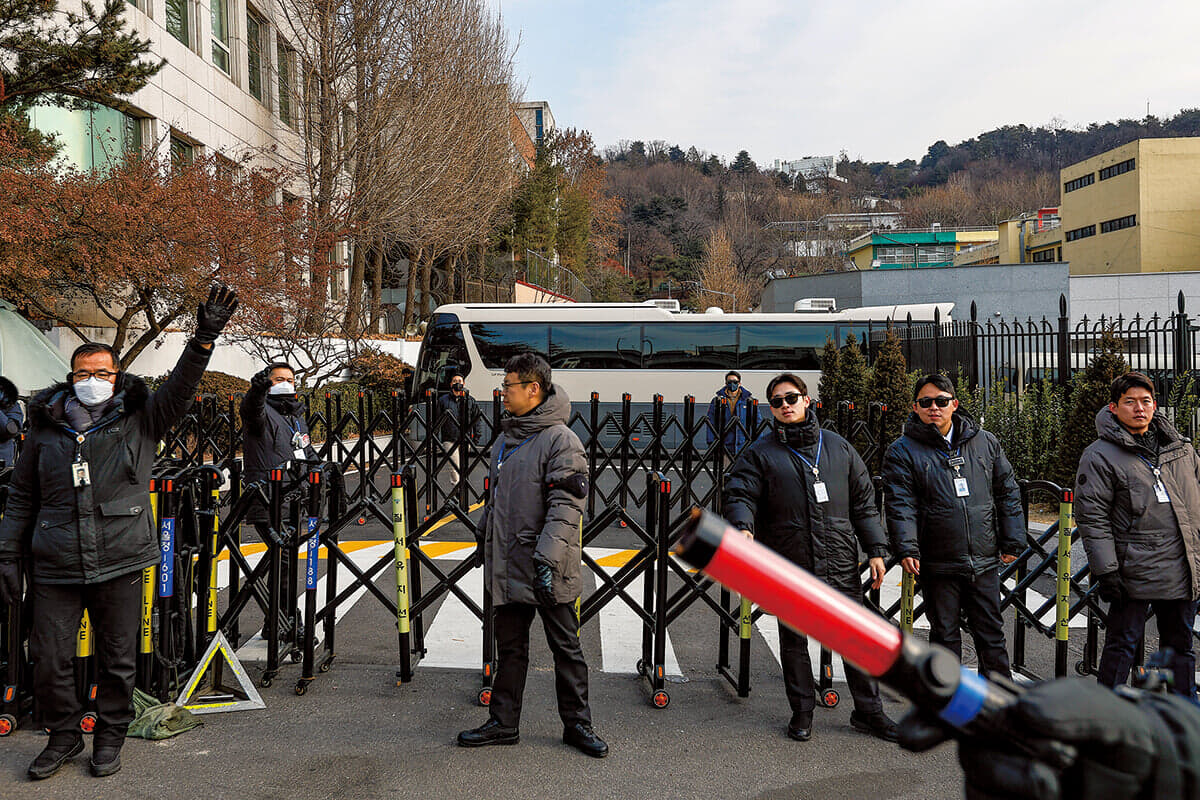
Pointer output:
x,y
1062,606
166,583
400,539
311,562
928,675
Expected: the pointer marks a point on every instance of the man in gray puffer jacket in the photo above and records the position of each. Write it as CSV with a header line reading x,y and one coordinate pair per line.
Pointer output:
x,y
531,545
1137,504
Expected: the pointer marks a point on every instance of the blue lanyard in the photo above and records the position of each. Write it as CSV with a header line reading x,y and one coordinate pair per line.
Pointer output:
x,y
1153,468
816,471
500,459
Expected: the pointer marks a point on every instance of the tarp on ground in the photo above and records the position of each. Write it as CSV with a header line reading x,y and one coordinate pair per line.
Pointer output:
x,y
27,358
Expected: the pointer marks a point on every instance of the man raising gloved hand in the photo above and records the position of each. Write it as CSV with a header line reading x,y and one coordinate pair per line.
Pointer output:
x,y
213,314
1129,746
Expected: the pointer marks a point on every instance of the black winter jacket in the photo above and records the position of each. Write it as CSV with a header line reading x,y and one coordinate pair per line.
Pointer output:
x,y
269,424
951,535
448,414
769,492
93,533
11,421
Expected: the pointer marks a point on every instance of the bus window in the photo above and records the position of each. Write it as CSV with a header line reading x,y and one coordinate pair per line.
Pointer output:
x,y
691,346
500,341
780,345
443,352
596,345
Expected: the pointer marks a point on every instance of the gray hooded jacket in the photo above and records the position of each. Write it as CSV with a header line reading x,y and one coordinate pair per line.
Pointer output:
x,y
529,515
1156,546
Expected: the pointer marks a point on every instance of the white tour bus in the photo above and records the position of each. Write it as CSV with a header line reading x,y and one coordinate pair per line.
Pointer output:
x,y
640,348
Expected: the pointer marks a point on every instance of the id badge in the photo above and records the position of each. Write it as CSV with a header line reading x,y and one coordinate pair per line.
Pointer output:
x,y
960,488
821,491
79,474
299,454
1160,492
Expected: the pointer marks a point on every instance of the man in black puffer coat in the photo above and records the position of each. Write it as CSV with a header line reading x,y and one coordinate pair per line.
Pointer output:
x,y
805,493
79,511
274,430
954,513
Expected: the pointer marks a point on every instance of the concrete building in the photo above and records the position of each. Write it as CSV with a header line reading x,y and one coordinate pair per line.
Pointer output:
x,y
908,248
537,120
1134,209
1029,238
815,171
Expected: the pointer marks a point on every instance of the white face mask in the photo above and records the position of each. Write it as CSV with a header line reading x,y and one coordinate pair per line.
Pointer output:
x,y
283,387
93,391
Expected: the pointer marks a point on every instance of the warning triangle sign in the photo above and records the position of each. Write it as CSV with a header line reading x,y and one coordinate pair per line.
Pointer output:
x,y
207,692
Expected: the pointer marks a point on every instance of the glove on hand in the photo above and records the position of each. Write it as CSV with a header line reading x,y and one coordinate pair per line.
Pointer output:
x,y
543,585
213,314
1112,588
261,381
1125,748
10,582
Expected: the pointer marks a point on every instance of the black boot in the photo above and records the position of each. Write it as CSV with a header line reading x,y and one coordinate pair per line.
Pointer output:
x,y
490,732
878,724
584,739
106,752
63,746
800,727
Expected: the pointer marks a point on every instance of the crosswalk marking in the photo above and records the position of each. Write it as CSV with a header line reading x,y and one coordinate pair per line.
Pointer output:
x,y
620,626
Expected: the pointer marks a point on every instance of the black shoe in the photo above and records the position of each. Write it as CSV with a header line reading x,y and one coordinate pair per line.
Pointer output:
x,y
878,724
106,759
800,728
490,732
584,739
62,748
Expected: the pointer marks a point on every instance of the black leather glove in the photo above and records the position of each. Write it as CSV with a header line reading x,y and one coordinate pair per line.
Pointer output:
x,y
10,582
543,585
1112,588
261,382
213,314
1126,748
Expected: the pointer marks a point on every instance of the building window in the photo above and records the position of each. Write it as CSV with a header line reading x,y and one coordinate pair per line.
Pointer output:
x,y
287,61
256,29
177,20
1119,223
182,153
1117,169
537,125
1080,233
220,34
92,137
1080,182
1043,256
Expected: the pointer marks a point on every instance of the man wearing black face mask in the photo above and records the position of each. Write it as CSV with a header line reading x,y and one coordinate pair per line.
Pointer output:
x,y
805,493
727,406
79,510
451,409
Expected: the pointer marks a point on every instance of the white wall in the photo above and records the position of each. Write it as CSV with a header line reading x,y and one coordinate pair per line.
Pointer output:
x,y
160,358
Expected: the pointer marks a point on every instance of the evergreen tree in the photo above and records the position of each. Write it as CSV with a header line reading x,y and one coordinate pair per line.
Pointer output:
x,y
69,59
1088,394
889,385
744,164
574,225
534,223
828,391
853,380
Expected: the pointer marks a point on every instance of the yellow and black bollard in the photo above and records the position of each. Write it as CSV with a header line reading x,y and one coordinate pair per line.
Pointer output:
x,y
908,588
145,666
85,673
1062,606
400,539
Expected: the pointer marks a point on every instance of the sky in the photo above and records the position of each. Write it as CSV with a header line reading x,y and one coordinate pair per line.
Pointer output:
x,y
879,79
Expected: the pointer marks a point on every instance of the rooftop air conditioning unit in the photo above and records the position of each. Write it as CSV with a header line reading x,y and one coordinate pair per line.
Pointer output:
x,y
714,310
819,304
664,303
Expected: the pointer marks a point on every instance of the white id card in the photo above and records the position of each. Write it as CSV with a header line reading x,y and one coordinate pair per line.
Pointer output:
x,y
960,488
79,473
821,491
1160,492
298,454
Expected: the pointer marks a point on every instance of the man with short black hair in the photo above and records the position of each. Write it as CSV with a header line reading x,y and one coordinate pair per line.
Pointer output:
x,y
805,493
954,513
452,409
725,410
530,535
1137,504
79,511
274,431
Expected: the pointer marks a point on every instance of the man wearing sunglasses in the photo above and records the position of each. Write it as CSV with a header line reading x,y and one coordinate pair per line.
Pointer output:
x,y
727,407
954,513
452,409
805,493
79,512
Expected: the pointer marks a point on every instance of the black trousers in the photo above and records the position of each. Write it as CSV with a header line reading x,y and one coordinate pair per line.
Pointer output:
x,y
512,649
798,675
1127,623
948,596
114,610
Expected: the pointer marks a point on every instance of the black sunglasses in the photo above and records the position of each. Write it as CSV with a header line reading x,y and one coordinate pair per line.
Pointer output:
x,y
791,398
941,400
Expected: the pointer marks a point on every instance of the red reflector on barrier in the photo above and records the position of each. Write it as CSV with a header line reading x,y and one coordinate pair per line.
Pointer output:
x,y
396,481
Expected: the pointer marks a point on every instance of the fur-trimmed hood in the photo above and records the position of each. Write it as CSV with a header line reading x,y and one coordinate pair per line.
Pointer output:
x,y
46,407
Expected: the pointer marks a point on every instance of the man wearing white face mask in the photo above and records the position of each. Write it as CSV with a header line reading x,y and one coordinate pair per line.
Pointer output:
x,y
79,511
274,431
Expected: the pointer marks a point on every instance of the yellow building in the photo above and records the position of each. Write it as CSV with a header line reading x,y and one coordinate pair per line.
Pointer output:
x,y
1029,238
909,248
1135,208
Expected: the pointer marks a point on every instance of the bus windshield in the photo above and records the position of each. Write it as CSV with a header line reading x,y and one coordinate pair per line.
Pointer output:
x,y
443,353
